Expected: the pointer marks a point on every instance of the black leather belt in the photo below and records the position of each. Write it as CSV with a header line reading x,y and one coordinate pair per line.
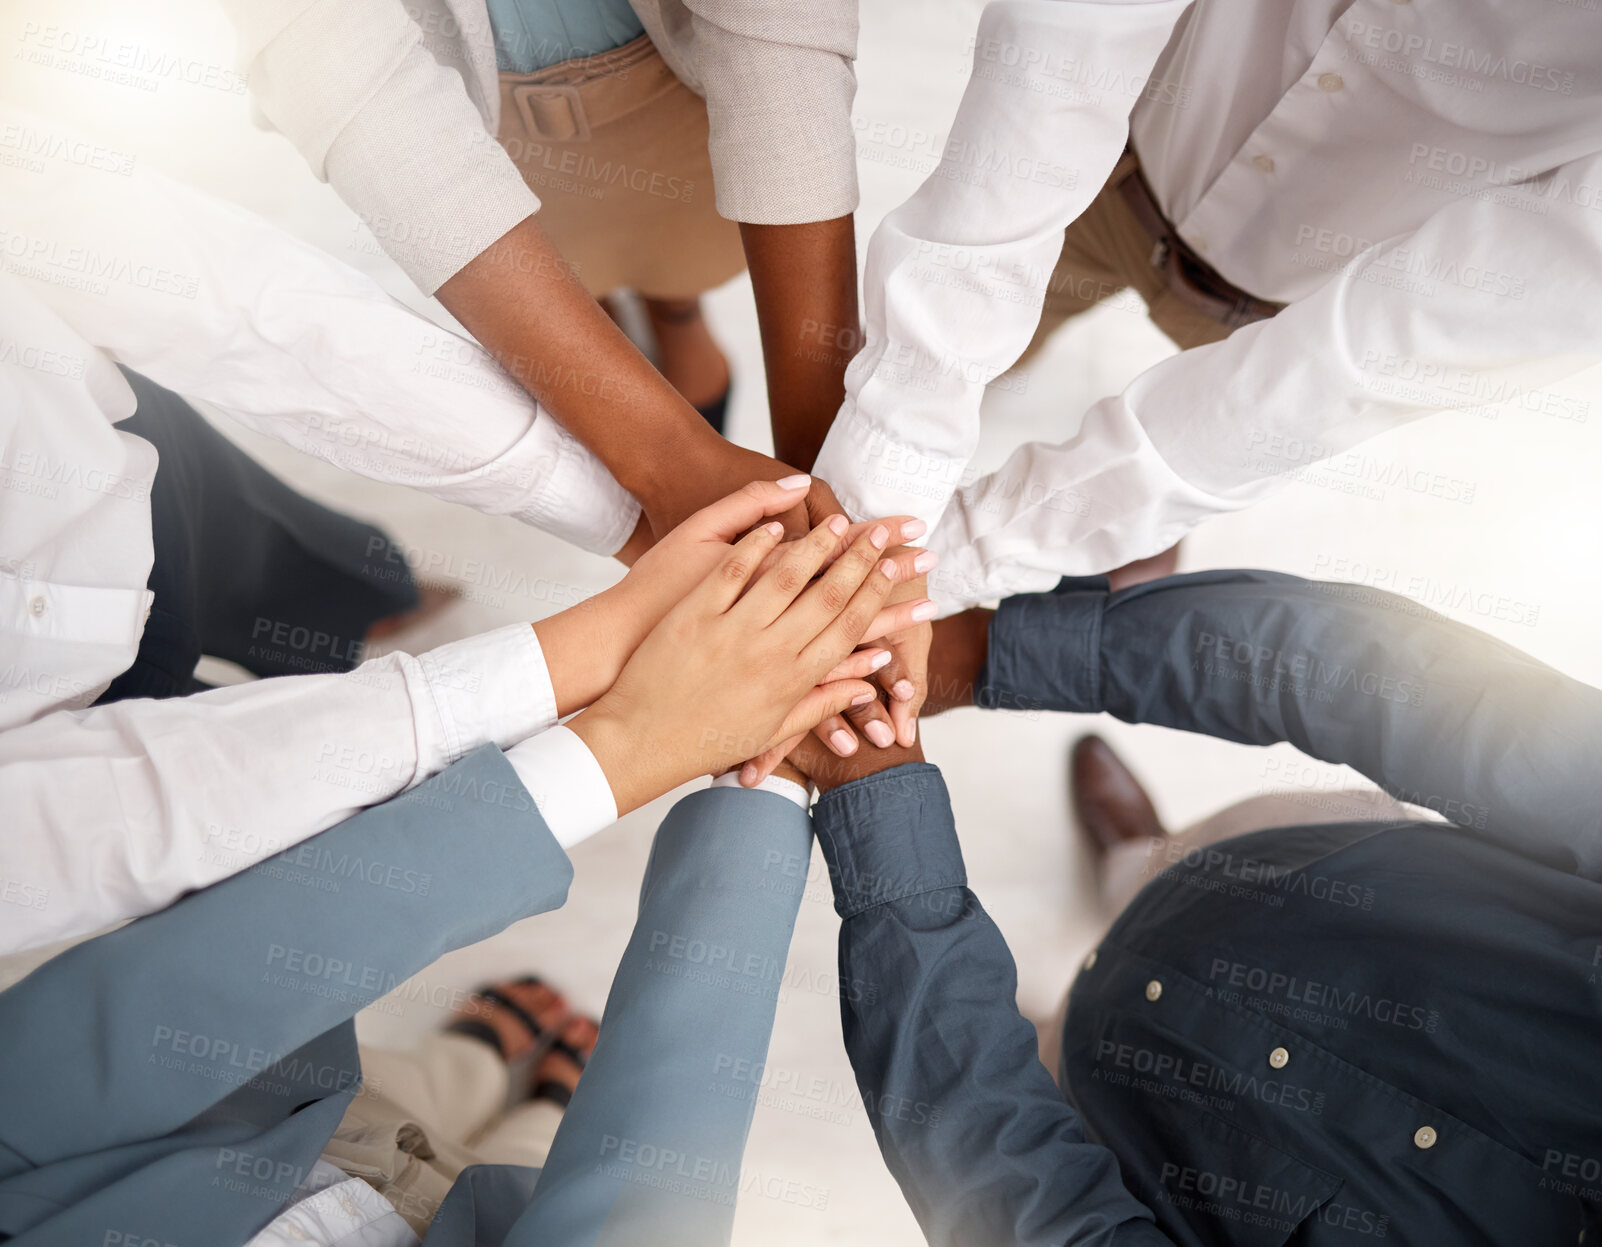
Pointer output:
x,y
1192,280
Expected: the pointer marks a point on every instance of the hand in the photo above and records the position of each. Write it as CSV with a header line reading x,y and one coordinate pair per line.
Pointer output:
x,y
892,719
956,657
828,771
587,645
746,659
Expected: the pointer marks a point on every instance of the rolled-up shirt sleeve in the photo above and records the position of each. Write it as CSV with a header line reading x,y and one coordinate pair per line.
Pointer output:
x,y
779,80
351,84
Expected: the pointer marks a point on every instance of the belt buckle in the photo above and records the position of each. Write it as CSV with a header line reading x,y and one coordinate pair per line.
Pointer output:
x,y
549,109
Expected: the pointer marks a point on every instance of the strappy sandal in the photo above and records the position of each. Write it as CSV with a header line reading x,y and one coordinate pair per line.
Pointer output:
x,y
574,1047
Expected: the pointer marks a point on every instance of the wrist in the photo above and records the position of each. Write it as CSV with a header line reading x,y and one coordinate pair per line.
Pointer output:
x,y
586,645
614,746
692,448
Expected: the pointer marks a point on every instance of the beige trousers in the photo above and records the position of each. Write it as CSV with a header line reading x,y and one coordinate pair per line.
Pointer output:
x,y
424,1116
1106,254
615,147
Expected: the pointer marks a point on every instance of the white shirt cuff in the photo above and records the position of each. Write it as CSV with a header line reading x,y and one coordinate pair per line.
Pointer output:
x,y
874,475
779,787
492,688
567,784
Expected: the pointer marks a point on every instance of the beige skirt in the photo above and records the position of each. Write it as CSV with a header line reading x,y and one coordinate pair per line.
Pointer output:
x,y
615,147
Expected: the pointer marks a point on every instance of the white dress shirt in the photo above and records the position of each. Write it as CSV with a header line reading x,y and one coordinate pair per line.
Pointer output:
x,y
218,305
114,811
1419,181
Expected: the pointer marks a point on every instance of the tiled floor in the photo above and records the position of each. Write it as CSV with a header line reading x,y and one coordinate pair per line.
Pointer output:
x,y
1521,560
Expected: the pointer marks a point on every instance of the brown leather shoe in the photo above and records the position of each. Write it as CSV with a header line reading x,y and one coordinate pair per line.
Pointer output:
x,y
1108,801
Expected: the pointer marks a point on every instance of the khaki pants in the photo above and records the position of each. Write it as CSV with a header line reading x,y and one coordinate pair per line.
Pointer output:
x,y
615,146
1106,253
424,1116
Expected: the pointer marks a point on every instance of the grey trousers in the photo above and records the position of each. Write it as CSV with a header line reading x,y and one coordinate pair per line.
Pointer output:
x,y
177,1079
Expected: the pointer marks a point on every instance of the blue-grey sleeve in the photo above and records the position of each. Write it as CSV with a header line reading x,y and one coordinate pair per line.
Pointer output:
x,y
649,1150
985,1148
181,1074
1435,712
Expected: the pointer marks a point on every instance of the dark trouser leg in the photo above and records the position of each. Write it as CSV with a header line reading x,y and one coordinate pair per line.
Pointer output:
x,y
247,569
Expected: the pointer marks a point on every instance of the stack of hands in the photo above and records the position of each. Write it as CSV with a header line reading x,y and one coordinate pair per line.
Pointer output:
x,y
728,645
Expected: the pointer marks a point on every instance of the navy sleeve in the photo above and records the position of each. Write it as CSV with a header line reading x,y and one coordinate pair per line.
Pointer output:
x,y
1437,713
985,1148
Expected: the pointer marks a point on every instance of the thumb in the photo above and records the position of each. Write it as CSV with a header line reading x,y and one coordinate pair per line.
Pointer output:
x,y
727,518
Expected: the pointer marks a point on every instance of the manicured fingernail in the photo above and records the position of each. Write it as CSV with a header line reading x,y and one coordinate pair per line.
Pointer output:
x,y
774,529
925,562
924,611
912,732
879,660
799,481
888,567
838,525
842,742
913,529
862,699
878,535
748,774
902,690
880,734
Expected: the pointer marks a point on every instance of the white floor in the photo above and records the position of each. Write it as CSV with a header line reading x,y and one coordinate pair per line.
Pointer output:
x,y
1531,539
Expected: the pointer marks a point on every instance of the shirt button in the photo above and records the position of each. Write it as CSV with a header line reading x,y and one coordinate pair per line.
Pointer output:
x,y
1279,1058
1090,961
1154,990
37,606
1330,82
1424,1137
1264,163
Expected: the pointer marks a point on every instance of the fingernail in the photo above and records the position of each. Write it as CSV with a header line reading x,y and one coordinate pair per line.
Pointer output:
x,y
913,529
862,699
841,741
879,660
798,481
774,529
878,536
902,690
748,775
924,611
838,525
912,732
880,734
925,562
889,569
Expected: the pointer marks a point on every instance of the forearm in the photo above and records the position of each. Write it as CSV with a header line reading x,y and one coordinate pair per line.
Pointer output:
x,y
685,1033
522,301
984,1147
804,278
1433,711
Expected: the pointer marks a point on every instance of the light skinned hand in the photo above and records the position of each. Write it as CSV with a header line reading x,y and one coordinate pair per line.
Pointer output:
x,y
890,719
742,661
586,645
